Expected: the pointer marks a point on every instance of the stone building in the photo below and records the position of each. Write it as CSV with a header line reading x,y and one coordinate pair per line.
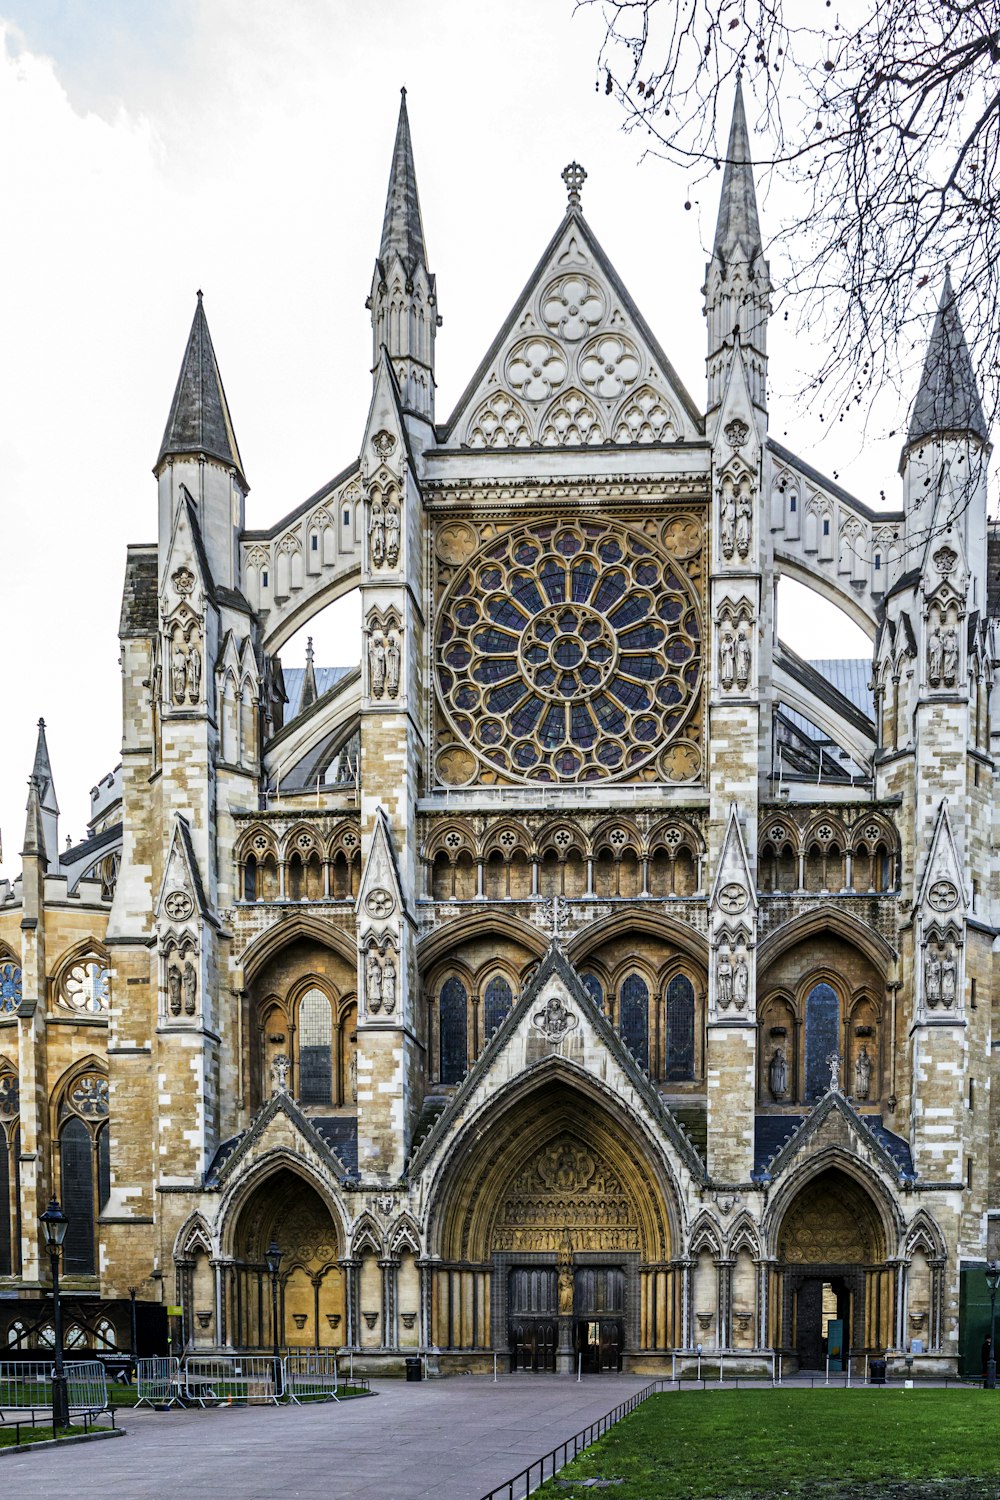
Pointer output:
x,y
580,970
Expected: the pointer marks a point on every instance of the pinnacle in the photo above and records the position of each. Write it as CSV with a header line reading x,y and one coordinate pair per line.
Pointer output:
x,y
199,420
402,229
948,398
737,233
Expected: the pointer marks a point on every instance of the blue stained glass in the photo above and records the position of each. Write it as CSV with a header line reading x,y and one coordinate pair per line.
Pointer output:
x,y
680,1029
523,721
497,1001
497,670
584,578
642,638
505,697
568,544
495,640
583,731
633,1020
609,715
553,581
454,1031
822,1037
10,987
525,591
631,609
646,667
594,989
630,693
553,727
506,613
609,591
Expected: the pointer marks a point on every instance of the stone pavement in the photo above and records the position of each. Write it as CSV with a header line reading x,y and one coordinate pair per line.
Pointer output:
x,y
451,1439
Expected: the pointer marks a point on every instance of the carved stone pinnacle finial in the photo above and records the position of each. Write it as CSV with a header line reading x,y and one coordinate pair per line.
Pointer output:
x,y
574,177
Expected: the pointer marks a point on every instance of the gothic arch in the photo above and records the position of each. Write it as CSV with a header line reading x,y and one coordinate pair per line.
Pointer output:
x,y
405,1236
450,935
655,924
249,1175
193,1235
300,924
825,918
879,1193
744,1235
367,1236
922,1233
706,1234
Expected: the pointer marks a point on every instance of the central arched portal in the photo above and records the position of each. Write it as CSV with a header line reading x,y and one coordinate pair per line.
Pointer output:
x,y
554,1231
311,1313
837,1293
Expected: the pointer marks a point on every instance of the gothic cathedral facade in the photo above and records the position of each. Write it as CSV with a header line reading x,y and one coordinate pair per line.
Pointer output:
x,y
580,973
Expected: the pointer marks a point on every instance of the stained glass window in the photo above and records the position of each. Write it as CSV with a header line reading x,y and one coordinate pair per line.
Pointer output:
x,y
77,1157
680,1029
86,987
594,989
454,1031
315,1048
568,674
497,1002
6,1268
822,1037
633,1019
10,987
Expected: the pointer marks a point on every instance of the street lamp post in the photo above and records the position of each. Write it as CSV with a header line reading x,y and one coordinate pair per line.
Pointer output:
x,y
55,1223
992,1282
273,1257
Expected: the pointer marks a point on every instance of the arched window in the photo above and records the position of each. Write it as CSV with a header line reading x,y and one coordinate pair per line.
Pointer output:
x,y
680,1029
6,1238
250,878
85,987
105,1335
454,1030
77,1159
10,987
594,989
634,1017
15,1334
498,999
822,1037
315,1048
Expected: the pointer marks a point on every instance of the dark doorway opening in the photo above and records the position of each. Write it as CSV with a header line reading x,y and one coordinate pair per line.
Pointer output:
x,y
820,1300
599,1317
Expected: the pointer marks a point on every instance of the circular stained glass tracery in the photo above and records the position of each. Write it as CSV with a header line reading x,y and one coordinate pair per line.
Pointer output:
x,y
569,652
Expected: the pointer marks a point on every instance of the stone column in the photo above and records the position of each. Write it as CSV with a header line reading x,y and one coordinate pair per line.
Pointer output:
x,y
725,1315
350,1268
390,1303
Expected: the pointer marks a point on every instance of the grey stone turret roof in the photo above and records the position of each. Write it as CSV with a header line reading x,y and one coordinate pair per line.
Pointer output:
x,y
402,229
737,232
199,420
948,398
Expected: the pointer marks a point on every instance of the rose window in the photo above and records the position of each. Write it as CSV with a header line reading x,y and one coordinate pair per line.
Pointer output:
x,y
86,988
569,652
10,987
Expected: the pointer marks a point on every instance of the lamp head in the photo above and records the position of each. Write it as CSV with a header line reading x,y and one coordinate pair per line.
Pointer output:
x,y
699,1351
55,1224
992,1276
273,1257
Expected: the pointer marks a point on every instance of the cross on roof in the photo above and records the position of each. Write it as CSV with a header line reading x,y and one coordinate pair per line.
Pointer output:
x,y
574,177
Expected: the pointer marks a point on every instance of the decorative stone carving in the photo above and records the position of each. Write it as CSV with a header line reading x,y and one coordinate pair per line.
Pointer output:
x,y
741,982
862,1074
499,423
571,306
392,664
727,655
736,432
379,903
178,672
566,1197
389,984
10,1098
744,523
194,673
609,365
943,896
373,982
536,368
190,984
724,979
280,1065
376,665
392,533
89,1096
777,1074
733,898
834,1062
174,990
949,647
384,443
178,906
371,1318
376,533
744,656
183,581
555,1020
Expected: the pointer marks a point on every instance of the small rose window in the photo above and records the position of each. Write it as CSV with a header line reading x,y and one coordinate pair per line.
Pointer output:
x,y
609,365
536,368
86,987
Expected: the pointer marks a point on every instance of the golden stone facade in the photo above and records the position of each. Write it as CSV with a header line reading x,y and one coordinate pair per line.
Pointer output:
x,y
578,973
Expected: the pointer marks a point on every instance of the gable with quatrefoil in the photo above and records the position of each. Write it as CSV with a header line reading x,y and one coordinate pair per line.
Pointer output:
x,y
575,365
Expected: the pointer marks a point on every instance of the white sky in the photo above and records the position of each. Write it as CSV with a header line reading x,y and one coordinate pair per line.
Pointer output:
x,y
243,146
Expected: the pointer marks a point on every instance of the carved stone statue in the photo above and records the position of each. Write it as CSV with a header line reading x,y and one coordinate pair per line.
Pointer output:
x,y
178,672
373,982
724,980
566,1289
949,979
862,1074
934,656
744,657
744,520
376,534
392,664
554,1019
174,989
376,664
352,1076
279,1073
727,655
392,533
190,989
777,1074
194,673
389,985
932,978
741,982
949,647
833,1062
727,523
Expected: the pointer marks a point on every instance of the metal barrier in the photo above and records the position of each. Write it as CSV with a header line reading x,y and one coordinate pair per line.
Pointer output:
x,y
253,1379
310,1376
158,1382
26,1385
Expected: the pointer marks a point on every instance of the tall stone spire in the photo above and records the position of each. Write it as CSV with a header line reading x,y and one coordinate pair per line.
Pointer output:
x,y
737,279
41,775
199,422
403,300
948,399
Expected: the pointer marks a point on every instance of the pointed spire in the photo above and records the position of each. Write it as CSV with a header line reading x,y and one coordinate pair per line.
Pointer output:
x,y
402,230
737,233
34,827
199,420
42,772
948,398
309,690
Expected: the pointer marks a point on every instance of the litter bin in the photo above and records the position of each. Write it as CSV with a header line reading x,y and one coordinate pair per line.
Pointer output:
x,y
413,1369
876,1372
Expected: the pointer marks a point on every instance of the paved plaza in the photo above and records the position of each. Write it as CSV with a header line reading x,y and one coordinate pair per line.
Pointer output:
x,y
451,1439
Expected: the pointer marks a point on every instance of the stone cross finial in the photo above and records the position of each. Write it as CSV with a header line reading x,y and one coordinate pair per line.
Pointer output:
x,y
574,177
833,1062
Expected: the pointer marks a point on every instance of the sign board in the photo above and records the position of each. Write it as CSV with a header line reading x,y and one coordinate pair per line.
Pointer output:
x,y
175,1312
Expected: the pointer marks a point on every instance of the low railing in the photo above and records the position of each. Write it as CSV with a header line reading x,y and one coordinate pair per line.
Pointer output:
x,y
246,1379
26,1385
158,1382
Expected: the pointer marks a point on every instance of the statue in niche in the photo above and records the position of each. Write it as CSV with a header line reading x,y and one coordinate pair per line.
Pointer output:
x,y
727,655
194,672
392,533
376,664
389,985
178,672
373,982
862,1074
190,988
744,661
565,1267
744,518
376,533
935,648
949,979
727,522
174,989
279,1073
724,980
392,664
932,978
352,1075
777,1074
741,983
949,650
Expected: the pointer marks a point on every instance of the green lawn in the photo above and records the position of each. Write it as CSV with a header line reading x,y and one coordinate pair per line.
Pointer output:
x,y
800,1445
34,1434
